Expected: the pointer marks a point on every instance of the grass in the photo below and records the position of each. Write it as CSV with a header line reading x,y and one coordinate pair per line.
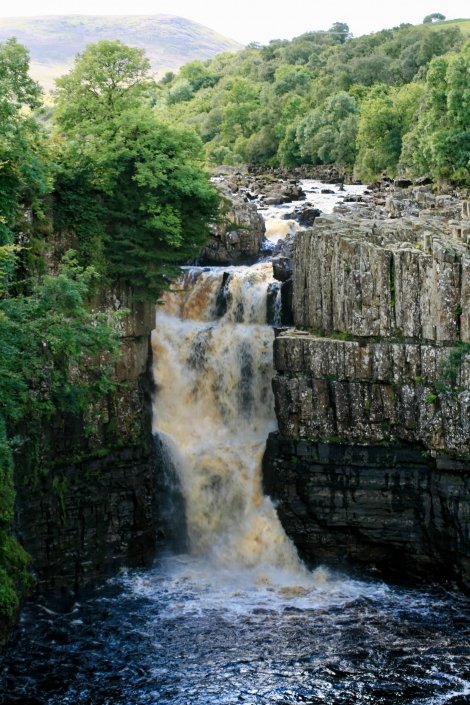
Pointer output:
x,y
463,25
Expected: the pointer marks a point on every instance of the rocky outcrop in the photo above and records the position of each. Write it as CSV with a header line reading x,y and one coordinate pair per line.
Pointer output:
x,y
382,278
95,507
238,237
370,392
376,379
284,192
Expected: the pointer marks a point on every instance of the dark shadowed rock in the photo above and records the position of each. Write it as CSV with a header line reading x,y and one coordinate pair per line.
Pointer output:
x,y
282,268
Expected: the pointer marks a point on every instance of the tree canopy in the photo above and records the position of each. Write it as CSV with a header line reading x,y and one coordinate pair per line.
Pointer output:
x,y
24,176
434,17
148,202
278,104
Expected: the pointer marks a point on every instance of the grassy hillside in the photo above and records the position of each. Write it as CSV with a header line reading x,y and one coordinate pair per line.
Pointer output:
x,y
168,41
463,25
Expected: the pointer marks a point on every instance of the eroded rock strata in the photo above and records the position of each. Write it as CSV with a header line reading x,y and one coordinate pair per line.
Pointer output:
x,y
238,237
371,463
93,508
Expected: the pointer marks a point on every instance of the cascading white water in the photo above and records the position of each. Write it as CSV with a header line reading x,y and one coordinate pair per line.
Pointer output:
x,y
214,409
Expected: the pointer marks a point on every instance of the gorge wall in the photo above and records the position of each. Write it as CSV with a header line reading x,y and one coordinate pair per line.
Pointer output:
x,y
94,507
371,463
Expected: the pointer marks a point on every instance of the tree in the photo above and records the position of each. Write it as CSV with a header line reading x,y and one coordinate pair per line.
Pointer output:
x,y
328,134
378,137
434,17
107,78
128,185
23,173
289,79
340,32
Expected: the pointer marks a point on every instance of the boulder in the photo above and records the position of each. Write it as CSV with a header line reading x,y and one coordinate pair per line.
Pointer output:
x,y
238,238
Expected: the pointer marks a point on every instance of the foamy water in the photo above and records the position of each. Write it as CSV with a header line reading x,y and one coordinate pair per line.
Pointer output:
x,y
214,410
278,227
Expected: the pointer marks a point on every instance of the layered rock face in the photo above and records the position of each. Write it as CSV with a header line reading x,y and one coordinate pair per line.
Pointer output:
x,y
238,238
372,459
95,508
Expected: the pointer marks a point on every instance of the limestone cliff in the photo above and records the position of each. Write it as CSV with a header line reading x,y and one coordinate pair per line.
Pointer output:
x,y
238,237
372,390
94,508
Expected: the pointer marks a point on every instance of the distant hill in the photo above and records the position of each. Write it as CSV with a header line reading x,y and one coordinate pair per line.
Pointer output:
x,y
168,41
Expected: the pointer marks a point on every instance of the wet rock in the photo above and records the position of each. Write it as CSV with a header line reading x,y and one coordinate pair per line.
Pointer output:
x,y
273,313
306,216
379,506
284,193
403,183
423,181
282,268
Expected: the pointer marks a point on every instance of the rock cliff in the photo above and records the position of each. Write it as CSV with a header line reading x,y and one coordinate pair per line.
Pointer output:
x,y
372,459
238,237
95,507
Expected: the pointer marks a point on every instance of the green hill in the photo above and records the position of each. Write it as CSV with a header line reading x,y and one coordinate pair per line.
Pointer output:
x,y
168,41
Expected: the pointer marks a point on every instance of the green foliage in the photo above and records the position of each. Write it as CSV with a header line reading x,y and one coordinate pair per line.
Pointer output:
x,y
340,32
378,138
276,104
439,143
108,77
128,184
328,134
15,578
55,356
431,397
23,173
450,371
434,17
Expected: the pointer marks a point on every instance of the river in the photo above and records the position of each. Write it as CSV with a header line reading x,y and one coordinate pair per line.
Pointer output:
x,y
233,615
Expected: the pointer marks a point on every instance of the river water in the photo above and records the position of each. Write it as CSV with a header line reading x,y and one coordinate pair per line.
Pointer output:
x,y
236,617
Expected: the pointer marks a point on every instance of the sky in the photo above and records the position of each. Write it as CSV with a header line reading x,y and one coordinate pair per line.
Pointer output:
x,y
256,20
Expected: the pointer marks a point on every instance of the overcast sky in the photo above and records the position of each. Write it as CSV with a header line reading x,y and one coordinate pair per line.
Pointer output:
x,y
256,20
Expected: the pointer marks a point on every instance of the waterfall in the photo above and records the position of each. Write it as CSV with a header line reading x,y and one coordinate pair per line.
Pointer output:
x,y
213,411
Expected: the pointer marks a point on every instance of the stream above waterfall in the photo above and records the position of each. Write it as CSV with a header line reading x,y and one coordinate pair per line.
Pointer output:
x,y
234,616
